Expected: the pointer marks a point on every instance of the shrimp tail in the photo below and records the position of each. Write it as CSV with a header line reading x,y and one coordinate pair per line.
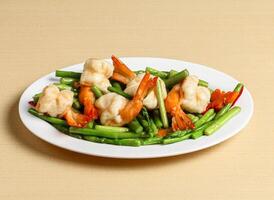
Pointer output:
x,y
90,111
180,121
86,97
76,119
121,72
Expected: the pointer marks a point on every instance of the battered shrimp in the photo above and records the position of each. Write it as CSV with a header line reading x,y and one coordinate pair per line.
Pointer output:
x,y
195,98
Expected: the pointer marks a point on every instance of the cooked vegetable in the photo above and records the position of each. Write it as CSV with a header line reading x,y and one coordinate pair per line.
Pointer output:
x,y
204,118
117,85
36,97
68,81
170,82
203,83
152,129
172,73
123,142
76,104
135,126
195,134
111,128
90,124
153,140
179,133
67,74
120,92
65,129
97,92
63,86
157,119
161,103
52,120
100,133
211,117
176,139
193,118
156,72
218,123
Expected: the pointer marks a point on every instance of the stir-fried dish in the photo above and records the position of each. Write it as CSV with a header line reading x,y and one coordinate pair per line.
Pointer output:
x,y
109,103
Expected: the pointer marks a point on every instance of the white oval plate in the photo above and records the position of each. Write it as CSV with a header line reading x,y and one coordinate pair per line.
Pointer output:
x,y
215,78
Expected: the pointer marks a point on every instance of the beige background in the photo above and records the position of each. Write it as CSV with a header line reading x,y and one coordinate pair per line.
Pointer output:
x,y
236,37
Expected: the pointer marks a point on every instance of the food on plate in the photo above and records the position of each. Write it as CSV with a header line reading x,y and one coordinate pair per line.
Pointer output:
x,y
111,104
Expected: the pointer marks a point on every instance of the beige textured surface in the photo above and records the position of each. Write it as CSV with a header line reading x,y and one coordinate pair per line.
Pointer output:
x,y
236,37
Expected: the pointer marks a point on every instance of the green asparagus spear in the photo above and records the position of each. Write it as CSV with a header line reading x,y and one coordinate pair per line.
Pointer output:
x,y
130,142
101,140
196,133
204,118
172,73
176,139
67,74
211,117
90,124
49,119
135,126
63,86
218,123
223,110
117,85
153,140
111,129
203,83
152,129
193,118
178,133
120,92
76,104
97,92
156,118
156,72
61,128
238,87
170,82
100,133
122,142
161,103
68,81
36,97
